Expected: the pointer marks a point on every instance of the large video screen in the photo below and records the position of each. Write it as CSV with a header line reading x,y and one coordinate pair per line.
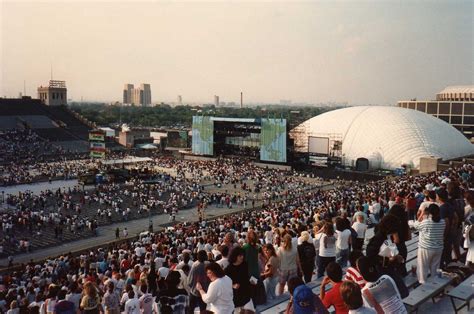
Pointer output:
x,y
273,140
203,135
177,139
318,145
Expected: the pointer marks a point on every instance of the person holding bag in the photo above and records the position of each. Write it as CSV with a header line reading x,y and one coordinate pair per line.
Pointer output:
x,y
384,252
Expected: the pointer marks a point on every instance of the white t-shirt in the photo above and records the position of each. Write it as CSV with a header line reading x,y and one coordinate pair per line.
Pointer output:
x,y
342,239
360,228
132,306
330,249
316,240
220,296
384,291
146,303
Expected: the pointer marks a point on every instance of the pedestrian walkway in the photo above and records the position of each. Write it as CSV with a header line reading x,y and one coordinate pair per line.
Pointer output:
x,y
107,233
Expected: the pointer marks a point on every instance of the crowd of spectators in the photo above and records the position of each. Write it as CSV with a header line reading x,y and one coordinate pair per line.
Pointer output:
x,y
236,262
75,210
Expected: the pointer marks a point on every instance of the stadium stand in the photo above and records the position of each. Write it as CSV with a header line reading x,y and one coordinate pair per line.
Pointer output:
x,y
50,123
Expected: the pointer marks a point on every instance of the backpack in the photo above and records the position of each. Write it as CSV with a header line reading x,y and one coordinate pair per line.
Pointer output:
x,y
459,272
308,252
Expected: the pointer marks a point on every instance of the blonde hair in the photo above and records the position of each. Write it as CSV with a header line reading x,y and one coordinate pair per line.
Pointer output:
x,y
304,236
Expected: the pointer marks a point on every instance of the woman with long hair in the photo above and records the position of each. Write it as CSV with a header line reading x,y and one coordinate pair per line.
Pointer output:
x,y
403,234
289,261
327,248
343,241
270,274
90,302
237,271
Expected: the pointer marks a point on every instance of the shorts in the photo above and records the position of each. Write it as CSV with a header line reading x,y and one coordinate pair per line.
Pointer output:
x,y
286,275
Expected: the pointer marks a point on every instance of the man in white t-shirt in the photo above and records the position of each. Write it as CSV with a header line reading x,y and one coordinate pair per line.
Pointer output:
x,y
146,300
360,227
132,306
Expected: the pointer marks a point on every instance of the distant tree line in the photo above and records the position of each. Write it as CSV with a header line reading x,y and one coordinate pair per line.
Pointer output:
x,y
181,116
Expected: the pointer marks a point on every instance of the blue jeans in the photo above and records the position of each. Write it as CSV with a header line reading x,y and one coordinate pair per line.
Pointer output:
x,y
342,256
270,284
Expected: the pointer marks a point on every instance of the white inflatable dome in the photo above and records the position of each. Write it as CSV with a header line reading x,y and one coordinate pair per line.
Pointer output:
x,y
388,137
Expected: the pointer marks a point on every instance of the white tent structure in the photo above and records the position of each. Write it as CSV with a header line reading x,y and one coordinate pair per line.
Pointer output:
x,y
388,137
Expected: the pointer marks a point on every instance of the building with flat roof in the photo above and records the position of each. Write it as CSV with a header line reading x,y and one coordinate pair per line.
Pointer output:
x,y
137,96
454,104
55,94
128,94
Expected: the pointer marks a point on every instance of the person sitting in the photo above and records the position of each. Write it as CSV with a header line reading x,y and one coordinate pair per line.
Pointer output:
x,y
352,296
352,272
380,292
333,296
302,299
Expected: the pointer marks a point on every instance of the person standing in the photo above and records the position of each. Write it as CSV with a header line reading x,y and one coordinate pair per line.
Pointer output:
x,y
117,233
111,300
289,261
219,294
307,256
447,214
327,248
197,275
360,227
271,271
343,240
236,270
90,302
430,245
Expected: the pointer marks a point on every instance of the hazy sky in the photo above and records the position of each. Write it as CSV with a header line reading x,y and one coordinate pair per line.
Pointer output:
x,y
372,52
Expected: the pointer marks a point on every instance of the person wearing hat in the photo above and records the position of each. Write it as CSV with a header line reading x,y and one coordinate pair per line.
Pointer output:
x,y
302,299
380,292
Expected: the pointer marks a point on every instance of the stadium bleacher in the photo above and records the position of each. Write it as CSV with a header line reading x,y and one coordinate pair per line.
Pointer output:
x,y
51,123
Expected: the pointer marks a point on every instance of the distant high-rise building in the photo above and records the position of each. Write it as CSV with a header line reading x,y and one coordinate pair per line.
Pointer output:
x,y
216,100
180,100
145,88
55,94
128,93
137,96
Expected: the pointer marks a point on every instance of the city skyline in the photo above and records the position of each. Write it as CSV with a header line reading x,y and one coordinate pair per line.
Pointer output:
x,y
309,52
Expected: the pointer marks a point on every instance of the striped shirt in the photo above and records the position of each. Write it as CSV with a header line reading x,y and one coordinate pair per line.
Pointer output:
x,y
431,234
353,274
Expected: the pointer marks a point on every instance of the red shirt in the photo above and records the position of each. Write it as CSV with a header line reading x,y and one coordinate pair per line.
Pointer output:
x,y
333,297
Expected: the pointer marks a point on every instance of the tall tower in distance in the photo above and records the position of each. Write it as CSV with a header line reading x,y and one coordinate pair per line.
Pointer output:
x,y
216,100
127,94
137,96
146,100
180,100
